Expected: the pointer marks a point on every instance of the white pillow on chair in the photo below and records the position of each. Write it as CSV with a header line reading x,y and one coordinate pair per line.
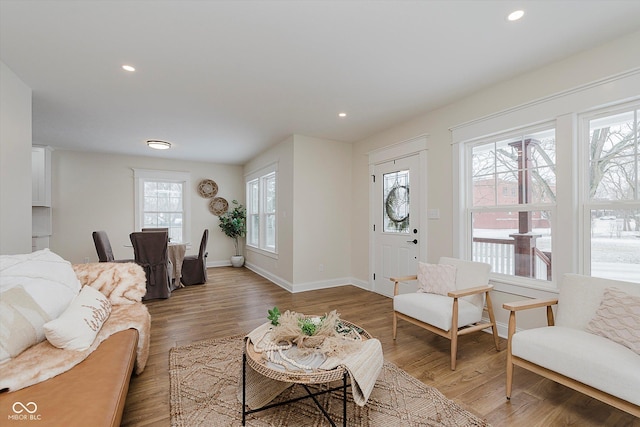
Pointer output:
x,y
436,278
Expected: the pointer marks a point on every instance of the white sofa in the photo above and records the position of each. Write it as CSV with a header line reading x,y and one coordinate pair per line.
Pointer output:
x,y
567,353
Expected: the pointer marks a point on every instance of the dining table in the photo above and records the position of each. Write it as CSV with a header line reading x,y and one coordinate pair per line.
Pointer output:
x,y
176,252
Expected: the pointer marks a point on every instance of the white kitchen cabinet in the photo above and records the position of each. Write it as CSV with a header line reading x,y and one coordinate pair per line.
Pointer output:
x,y
41,176
41,215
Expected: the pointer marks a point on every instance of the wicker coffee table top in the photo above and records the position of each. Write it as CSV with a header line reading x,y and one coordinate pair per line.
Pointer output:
x,y
317,376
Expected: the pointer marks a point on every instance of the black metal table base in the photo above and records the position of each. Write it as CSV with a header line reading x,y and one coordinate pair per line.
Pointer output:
x,y
310,394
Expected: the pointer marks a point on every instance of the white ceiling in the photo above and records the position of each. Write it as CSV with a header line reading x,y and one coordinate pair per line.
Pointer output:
x,y
223,80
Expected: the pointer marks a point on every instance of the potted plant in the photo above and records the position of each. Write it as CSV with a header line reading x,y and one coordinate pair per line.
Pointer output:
x,y
233,224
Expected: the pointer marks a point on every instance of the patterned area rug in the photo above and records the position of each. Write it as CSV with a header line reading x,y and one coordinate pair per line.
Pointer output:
x,y
205,378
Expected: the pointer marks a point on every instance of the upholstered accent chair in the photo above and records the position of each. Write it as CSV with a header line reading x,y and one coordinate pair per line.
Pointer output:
x,y
103,248
194,267
449,302
150,250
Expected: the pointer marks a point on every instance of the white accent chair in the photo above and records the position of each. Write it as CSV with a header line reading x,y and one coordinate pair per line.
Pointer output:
x,y
567,353
462,307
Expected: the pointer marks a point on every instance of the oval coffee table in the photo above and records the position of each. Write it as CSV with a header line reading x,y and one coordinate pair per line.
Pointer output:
x,y
318,376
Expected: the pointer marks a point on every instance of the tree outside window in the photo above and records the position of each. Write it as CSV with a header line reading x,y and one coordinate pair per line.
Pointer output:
x,y
612,208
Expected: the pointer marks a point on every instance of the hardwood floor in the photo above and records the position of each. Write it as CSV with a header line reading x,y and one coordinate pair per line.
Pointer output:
x,y
236,300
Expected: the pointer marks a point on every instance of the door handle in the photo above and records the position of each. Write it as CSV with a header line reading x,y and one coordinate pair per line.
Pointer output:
x,y
414,241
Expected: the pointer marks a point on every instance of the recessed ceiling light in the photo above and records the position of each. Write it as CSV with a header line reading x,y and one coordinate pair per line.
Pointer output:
x,y
342,114
158,145
515,15
128,68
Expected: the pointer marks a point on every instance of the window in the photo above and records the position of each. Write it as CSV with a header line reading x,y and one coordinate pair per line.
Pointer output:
x,y
261,210
583,200
511,192
611,212
162,201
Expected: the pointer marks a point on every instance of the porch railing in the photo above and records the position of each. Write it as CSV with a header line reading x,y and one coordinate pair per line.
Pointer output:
x,y
500,253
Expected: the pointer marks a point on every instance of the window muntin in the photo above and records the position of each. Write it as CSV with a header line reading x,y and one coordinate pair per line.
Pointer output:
x,y
611,193
163,207
162,200
511,201
262,211
253,213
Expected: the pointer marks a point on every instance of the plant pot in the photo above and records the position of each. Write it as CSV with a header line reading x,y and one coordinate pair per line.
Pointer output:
x,y
237,260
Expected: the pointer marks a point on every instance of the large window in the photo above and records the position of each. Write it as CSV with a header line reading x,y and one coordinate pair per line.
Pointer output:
x,y
609,140
162,201
261,210
511,202
577,188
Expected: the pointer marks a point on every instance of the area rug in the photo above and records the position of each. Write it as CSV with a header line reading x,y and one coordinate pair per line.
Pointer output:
x,y
205,378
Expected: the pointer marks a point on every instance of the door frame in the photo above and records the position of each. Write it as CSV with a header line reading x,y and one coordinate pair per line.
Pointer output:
x,y
413,146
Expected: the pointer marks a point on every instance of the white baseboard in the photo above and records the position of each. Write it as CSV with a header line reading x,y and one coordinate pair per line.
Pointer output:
x,y
324,284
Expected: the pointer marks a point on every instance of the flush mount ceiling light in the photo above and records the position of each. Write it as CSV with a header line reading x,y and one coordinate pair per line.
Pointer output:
x,y
158,145
342,114
515,15
128,68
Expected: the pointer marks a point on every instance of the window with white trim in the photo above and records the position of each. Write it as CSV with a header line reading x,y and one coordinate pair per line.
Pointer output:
x,y
611,192
261,190
162,201
510,202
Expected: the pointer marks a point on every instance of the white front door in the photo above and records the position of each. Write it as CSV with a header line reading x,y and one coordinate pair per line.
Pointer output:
x,y
397,217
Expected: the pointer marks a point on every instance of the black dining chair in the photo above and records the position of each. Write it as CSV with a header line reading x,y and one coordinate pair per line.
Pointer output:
x,y
103,248
194,267
150,250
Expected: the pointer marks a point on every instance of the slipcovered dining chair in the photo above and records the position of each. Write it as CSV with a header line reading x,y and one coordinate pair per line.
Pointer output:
x,y
449,302
194,267
150,250
103,248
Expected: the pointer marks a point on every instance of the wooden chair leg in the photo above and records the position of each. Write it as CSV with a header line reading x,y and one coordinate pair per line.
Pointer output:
x,y
509,376
454,349
453,332
492,318
395,324
511,331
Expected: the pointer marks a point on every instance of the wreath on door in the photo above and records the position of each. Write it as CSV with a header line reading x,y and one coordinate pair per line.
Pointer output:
x,y
396,206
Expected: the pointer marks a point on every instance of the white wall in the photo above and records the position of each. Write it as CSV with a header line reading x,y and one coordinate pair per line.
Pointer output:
x,y
314,193
94,191
321,203
603,61
15,163
277,267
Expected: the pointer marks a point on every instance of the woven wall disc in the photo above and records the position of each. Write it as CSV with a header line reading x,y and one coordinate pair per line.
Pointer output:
x,y
218,206
207,188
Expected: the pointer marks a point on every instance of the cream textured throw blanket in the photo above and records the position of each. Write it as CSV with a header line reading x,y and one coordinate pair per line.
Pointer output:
x,y
124,285
44,361
363,367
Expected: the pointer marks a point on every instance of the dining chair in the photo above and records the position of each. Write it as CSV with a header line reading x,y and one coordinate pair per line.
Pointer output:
x,y
194,267
103,247
150,251
146,230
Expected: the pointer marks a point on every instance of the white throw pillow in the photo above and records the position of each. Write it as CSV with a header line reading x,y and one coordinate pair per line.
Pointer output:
x,y
21,322
618,319
78,326
436,278
45,276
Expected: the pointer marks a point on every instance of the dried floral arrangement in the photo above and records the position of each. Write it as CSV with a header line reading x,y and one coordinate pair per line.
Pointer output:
x,y
295,336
